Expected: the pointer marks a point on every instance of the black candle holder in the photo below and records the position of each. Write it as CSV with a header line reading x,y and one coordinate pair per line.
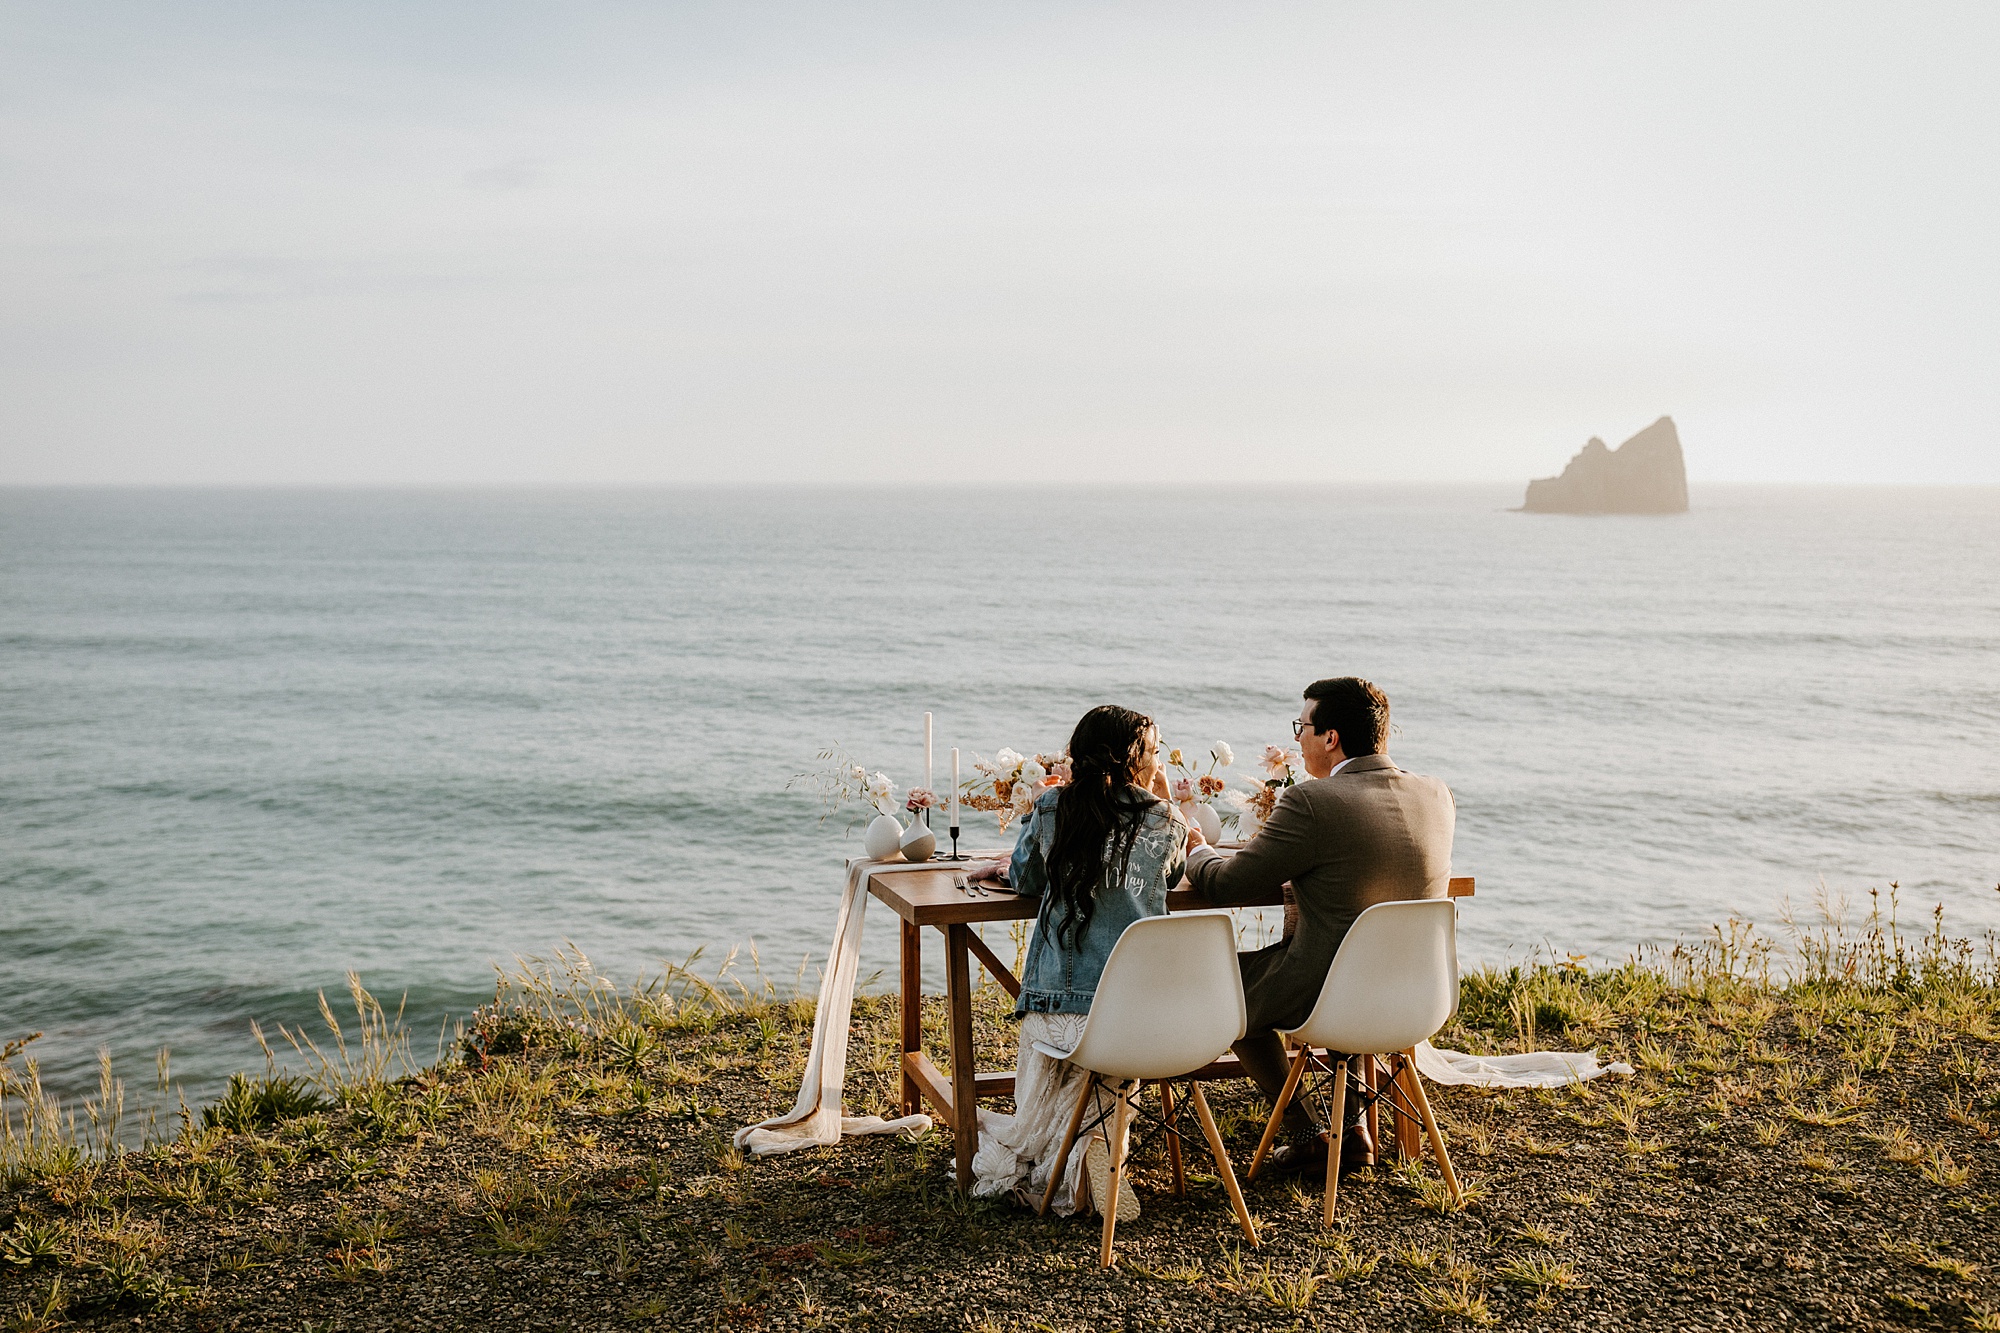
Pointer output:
x,y
954,845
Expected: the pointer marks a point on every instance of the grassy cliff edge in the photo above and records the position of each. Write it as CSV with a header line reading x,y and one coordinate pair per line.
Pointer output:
x,y
1813,1149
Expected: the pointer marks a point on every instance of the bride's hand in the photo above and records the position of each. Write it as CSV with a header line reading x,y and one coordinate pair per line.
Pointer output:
x,y
1195,839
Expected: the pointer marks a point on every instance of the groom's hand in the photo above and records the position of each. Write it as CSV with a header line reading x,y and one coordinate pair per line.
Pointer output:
x,y
1195,839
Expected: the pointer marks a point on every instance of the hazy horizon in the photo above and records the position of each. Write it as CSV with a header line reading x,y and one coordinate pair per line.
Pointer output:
x,y
882,245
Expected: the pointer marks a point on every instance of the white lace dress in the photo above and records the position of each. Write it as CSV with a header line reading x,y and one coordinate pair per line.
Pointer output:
x,y
1016,1151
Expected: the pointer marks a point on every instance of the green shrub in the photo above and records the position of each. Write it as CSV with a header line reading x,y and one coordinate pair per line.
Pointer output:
x,y
252,1104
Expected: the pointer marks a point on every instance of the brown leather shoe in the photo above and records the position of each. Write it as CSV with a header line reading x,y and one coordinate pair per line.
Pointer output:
x,y
1357,1149
1302,1154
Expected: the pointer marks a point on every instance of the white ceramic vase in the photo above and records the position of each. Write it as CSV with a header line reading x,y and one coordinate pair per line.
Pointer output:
x,y
884,839
1208,822
918,840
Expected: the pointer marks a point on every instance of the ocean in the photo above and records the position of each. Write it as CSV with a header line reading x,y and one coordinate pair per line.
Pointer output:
x,y
252,739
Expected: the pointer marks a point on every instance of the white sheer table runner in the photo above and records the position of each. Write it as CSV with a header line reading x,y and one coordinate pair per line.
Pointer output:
x,y
818,1118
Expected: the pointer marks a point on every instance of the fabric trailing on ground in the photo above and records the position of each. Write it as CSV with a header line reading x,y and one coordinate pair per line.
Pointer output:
x,y
1535,1069
817,1118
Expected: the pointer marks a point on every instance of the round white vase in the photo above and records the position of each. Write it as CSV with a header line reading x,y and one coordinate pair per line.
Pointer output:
x,y
1208,822
918,840
884,838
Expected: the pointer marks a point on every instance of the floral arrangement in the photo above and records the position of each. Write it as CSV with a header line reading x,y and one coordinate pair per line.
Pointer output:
x,y
1200,788
1007,785
844,782
1281,769
1009,782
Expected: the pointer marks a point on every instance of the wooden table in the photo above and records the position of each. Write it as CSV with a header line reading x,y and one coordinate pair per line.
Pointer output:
x,y
926,898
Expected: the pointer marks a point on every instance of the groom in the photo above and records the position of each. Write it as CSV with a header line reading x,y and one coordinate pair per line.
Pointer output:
x,y
1361,831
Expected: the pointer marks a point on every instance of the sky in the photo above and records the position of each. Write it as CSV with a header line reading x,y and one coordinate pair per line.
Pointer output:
x,y
510,243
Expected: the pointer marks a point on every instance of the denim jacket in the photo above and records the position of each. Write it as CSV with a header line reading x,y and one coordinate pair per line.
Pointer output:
x,y
1060,977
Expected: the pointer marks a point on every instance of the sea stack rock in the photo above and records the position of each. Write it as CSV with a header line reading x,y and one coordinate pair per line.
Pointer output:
x,y
1644,475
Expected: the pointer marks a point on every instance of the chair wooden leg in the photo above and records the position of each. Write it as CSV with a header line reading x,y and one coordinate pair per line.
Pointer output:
x,y
1121,1113
1336,1135
1068,1142
1431,1129
1173,1139
1215,1146
1284,1101
1371,1074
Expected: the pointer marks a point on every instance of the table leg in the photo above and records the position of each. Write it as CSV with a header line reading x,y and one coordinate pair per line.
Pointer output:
x,y
1406,1127
964,1096
913,1010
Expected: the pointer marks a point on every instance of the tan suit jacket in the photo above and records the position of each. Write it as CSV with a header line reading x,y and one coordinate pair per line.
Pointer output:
x,y
1369,834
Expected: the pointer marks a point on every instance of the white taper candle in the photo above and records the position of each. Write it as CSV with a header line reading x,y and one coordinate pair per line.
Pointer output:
x,y
929,783
954,786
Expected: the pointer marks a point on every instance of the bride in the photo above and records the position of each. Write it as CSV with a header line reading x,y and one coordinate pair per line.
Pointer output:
x,y
1100,853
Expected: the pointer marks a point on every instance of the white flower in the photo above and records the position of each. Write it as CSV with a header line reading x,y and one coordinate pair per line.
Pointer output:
x,y
1005,762
1024,798
879,786
1032,773
1222,753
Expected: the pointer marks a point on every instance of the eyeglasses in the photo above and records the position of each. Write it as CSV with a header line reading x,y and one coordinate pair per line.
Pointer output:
x,y
1300,728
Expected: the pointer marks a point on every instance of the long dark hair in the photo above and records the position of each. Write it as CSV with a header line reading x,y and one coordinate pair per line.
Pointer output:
x,y
1097,814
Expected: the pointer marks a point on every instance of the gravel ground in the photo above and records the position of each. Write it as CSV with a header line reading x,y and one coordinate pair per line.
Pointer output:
x,y
1802,1158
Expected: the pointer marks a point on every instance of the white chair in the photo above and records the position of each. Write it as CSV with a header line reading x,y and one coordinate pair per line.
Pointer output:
x,y
1170,1001
1393,983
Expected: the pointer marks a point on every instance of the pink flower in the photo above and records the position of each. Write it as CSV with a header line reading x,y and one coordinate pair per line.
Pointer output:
x,y
1183,789
1059,773
921,798
1277,761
